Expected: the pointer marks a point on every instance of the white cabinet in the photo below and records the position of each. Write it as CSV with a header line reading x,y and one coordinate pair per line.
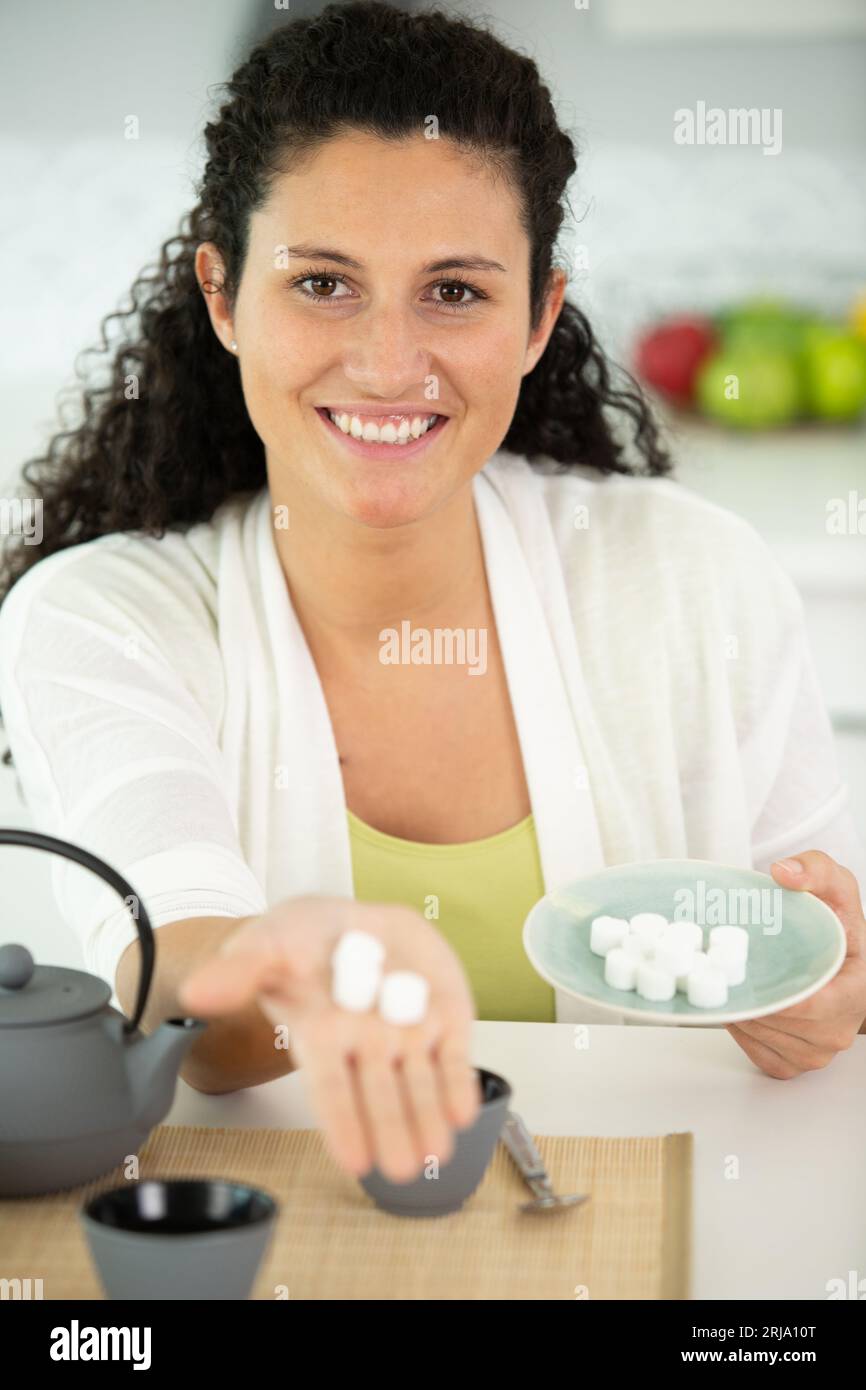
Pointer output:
x,y
788,484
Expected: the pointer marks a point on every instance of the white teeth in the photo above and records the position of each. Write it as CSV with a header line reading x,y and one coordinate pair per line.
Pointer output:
x,y
389,433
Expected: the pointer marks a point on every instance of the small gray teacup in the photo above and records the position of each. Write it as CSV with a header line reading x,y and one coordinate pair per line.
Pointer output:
x,y
179,1238
457,1179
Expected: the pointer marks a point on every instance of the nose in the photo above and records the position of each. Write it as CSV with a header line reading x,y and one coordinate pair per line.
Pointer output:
x,y
385,352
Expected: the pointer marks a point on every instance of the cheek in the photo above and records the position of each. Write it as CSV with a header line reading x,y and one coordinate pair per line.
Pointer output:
x,y
492,364
281,350
276,369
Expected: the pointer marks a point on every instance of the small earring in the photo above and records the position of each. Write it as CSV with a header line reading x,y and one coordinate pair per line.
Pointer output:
x,y
233,345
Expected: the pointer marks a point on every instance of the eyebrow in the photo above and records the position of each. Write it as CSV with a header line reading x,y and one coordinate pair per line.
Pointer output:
x,y
326,253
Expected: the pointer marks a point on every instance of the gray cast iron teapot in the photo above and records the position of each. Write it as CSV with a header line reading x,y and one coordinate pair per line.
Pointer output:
x,y
81,1087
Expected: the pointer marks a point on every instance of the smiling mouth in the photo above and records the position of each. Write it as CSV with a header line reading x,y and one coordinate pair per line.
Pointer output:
x,y
385,437
381,429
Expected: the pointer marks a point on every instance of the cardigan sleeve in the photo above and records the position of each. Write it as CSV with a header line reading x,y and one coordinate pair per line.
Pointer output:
x,y
807,805
789,755
110,696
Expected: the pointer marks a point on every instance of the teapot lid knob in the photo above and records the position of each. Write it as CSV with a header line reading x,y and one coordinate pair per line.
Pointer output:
x,y
16,966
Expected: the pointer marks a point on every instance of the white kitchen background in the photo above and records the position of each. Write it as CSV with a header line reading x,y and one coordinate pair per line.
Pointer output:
x,y
656,228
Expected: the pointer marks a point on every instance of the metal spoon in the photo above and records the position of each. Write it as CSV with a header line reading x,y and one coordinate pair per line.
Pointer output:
x,y
520,1144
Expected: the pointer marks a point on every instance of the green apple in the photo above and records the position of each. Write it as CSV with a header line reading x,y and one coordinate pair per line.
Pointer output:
x,y
834,363
750,387
764,323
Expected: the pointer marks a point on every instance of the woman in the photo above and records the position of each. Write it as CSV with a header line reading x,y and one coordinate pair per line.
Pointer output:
x,y
357,418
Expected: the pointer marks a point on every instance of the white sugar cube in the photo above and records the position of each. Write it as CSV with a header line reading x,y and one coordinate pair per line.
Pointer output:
x,y
357,970
686,933
646,921
355,987
732,938
730,961
698,959
403,997
648,927
359,948
607,932
658,957
676,956
635,946
654,982
707,986
620,969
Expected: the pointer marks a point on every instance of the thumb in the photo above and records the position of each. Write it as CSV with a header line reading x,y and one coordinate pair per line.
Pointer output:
x,y
253,960
815,872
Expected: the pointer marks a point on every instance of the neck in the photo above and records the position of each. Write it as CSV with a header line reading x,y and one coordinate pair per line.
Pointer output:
x,y
349,581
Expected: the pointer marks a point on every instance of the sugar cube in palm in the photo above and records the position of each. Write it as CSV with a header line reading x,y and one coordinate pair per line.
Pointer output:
x,y
403,997
355,987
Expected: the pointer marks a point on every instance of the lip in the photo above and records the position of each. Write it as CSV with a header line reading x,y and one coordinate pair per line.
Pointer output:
x,y
385,453
381,409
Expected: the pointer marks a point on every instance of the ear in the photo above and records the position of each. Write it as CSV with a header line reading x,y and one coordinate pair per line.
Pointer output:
x,y
210,273
553,303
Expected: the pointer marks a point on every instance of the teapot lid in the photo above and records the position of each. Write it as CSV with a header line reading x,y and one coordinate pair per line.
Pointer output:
x,y
41,994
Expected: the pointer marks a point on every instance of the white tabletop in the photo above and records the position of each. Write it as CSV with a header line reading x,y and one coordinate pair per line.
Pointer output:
x,y
793,1219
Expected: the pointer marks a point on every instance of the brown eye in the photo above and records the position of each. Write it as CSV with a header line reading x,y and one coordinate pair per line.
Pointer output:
x,y
325,286
455,295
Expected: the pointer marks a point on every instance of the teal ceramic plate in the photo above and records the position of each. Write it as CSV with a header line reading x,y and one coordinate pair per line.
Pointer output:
x,y
796,943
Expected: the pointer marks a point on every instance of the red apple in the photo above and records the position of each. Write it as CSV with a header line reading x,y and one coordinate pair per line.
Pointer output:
x,y
670,356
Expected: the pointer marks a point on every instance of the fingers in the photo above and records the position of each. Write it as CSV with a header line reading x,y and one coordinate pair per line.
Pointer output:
x,y
793,1023
763,1056
446,1034
830,1029
425,1098
233,976
781,1054
394,1139
381,1093
459,1082
332,1077
405,1113
259,958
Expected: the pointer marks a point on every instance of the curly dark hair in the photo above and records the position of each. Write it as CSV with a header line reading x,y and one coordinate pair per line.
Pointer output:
x,y
368,66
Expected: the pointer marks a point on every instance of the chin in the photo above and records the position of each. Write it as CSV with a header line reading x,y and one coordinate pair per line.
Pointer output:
x,y
383,513
382,502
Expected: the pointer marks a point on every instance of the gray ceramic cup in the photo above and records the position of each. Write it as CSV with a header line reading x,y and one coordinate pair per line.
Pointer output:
x,y
179,1238
457,1179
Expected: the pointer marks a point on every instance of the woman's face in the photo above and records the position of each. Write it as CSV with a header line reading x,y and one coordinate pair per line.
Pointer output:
x,y
374,330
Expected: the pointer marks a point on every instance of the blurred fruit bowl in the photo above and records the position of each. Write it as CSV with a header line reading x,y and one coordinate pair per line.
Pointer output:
x,y
760,364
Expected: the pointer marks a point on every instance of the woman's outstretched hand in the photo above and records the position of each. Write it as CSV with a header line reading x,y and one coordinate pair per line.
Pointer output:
x,y
383,1093
809,1035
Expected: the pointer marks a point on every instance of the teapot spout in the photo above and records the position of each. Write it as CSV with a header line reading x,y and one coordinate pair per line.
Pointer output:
x,y
153,1063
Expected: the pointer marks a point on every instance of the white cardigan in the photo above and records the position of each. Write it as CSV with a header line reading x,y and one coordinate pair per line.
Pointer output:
x,y
164,710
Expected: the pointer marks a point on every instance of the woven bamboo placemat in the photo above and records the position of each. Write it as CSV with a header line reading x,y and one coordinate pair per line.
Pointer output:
x,y
632,1240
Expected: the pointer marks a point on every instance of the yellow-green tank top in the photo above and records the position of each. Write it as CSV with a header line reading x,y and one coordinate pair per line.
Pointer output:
x,y
478,894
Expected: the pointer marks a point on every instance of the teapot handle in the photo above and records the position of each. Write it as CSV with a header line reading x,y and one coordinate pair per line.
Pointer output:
x,y
34,839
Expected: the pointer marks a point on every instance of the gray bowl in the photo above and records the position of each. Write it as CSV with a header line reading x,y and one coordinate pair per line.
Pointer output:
x,y
179,1238
457,1179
